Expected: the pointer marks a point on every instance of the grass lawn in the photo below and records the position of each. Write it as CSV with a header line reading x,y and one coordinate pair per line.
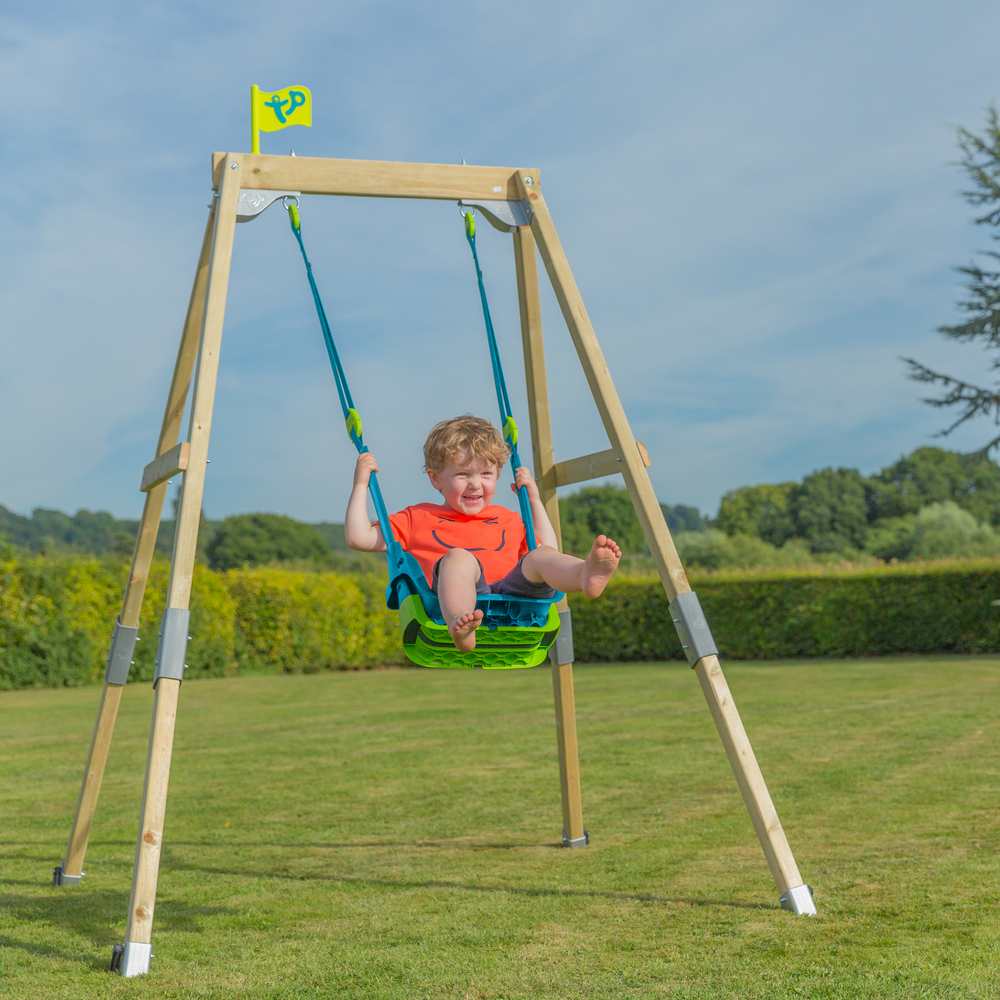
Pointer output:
x,y
396,834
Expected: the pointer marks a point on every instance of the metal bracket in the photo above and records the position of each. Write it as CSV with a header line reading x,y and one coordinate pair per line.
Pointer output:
x,y
252,202
132,960
579,842
799,900
59,878
172,647
120,657
562,648
503,215
692,629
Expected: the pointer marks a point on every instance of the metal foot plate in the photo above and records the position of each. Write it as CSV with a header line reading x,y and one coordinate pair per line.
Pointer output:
x,y
134,959
799,900
59,877
579,842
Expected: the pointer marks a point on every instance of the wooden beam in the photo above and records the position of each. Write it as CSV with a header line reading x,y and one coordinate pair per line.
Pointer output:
x,y
727,719
142,557
167,465
526,267
375,178
145,874
601,463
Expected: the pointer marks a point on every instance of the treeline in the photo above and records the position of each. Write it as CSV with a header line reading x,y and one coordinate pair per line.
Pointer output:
x,y
272,539
931,504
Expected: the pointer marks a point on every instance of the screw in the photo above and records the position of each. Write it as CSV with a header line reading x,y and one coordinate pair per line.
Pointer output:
x,y
528,181
234,166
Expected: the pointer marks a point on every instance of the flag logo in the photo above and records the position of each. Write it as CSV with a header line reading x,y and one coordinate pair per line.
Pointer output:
x,y
291,106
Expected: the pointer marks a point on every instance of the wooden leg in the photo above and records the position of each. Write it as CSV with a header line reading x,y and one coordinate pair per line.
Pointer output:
x,y
532,341
71,870
794,895
138,932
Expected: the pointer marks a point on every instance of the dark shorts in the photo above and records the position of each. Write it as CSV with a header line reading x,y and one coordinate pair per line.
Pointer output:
x,y
514,584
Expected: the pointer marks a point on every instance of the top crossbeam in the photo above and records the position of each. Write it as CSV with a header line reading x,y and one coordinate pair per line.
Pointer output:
x,y
375,178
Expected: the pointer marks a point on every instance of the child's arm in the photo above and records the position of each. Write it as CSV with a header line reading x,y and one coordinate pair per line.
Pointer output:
x,y
360,533
544,532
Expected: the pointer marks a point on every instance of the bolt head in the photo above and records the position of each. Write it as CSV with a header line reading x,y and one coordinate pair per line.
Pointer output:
x,y
528,181
234,166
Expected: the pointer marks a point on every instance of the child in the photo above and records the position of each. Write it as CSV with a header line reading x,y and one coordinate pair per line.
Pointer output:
x,y
466,542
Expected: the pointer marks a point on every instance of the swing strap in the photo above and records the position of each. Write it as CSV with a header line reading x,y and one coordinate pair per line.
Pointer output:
x,y
351,416
507,421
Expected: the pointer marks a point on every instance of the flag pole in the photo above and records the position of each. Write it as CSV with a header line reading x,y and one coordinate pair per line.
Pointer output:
x,y
254,126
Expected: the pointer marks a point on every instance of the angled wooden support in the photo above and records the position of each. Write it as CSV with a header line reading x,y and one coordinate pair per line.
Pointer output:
x,y
137,953
168,464
532,341
71,870
794,895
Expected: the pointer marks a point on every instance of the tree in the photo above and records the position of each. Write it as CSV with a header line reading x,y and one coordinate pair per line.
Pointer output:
x,y
933,475
830,511
600,510
254,539
981,162
762,511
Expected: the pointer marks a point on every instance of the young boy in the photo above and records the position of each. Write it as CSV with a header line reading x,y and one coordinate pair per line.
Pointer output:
x,y
466,542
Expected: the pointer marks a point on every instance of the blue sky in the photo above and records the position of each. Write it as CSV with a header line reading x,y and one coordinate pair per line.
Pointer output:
x,y
759,202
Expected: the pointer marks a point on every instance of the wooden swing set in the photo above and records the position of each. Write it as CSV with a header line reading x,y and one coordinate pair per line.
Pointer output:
x,y
245,184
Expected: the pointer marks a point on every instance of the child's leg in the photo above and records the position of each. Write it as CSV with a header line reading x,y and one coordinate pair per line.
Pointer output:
x,y
569,574
458,574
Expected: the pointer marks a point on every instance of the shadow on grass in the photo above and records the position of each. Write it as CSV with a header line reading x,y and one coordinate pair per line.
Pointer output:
x,y
77,912
638,897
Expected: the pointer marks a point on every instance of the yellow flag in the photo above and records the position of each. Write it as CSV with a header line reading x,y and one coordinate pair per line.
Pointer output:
x,y
272,111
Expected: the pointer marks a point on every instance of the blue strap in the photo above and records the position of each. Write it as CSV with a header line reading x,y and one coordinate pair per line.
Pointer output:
x,y
346,402
503,401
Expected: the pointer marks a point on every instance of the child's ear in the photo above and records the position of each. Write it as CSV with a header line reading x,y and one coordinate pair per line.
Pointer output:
x,y
435,482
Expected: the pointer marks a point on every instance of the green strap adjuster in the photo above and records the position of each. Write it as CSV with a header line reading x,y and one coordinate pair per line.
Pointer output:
x,y
353,422
510,431
293,215
470,225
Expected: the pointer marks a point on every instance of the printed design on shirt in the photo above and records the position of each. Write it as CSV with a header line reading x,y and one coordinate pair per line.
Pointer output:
x,y
434,535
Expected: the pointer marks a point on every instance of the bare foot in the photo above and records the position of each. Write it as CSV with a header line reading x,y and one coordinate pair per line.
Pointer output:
x,y
599,566
463,631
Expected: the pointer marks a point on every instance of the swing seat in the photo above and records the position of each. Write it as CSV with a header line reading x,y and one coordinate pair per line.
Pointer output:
x,y
516,631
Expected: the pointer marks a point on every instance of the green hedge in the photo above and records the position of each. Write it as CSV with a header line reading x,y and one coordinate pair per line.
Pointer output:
x,y
942,608
56,616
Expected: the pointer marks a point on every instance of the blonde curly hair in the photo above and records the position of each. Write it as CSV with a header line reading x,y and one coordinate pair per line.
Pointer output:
x,y
469,436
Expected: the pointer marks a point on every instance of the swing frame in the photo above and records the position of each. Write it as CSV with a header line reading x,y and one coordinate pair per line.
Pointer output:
x,y
197,362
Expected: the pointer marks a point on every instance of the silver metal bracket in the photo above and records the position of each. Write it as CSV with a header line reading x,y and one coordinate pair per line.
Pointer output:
x,y
253,202
120,657
692,629
503,215
172,647
799,900
132,960
562,648
579,842
60,878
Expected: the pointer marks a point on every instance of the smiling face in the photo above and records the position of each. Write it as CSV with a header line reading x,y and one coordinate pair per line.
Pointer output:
x,y
467,484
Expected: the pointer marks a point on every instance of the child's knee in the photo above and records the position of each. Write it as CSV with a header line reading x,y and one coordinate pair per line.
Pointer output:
x,y
459,560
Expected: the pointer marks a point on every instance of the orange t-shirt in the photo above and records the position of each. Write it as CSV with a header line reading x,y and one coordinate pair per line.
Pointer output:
x,y
495,536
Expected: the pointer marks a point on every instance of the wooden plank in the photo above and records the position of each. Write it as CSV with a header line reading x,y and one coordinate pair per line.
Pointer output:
x,y
600,463
526,268
142,556
154,798
93,775
569,754
751,782
170,428
374,178
741,757
168,464
149,845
